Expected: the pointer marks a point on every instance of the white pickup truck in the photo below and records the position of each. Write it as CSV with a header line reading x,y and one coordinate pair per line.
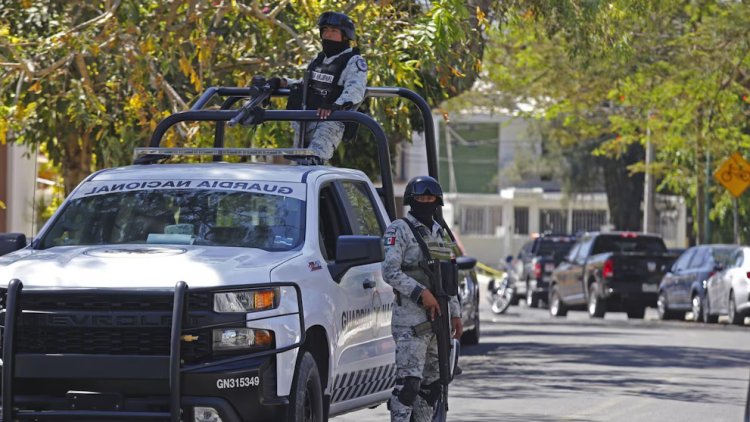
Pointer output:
x,y
203,292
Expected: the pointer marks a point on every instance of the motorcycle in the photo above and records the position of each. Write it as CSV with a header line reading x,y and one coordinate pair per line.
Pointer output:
x,y
501,293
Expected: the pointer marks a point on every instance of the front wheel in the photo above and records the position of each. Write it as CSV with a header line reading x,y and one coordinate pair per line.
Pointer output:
x,y
306,401
595,305
736,318
697,308
532,300
662,308
502,299
471,337
557,307
708,318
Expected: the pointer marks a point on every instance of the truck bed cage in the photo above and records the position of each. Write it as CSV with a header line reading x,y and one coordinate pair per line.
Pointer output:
x,y
234,94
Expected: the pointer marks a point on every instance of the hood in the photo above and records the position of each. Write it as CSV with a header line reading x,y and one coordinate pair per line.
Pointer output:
x,y
156,267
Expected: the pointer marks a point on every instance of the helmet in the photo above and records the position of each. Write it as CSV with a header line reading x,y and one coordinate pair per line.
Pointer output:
x,y
422,185
337,20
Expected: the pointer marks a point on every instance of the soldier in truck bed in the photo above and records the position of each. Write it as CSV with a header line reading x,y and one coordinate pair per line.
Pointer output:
x,y
336,80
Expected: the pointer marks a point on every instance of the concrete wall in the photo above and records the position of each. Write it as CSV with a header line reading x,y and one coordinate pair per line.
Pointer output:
x,y
18,170
491,246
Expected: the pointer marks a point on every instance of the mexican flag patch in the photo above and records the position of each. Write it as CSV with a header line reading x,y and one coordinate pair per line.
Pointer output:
x,y
389,240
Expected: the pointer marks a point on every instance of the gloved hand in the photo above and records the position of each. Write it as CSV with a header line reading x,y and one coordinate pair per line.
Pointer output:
x,y
325,110
274,83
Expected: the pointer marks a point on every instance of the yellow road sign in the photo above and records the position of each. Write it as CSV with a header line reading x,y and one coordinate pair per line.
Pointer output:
x,y
734,174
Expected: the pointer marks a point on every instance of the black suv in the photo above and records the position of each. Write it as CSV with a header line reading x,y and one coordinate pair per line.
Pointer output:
x,y
538,258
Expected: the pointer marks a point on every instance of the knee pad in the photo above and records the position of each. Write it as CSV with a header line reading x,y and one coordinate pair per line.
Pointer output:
x,y
431,392
409,391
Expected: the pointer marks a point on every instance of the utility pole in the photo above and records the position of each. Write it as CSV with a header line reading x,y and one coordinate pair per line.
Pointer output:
x,y
649,214
707,200
449,155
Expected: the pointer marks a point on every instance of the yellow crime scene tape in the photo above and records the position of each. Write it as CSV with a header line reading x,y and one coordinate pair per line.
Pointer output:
x,y
489,270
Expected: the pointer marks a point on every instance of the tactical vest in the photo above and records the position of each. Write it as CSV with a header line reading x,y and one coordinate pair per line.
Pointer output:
x,y
439,249
323,86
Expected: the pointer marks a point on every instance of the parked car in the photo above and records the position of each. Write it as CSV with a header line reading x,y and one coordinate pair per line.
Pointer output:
x,y
536,260
683,287
615,271
468,295
728,291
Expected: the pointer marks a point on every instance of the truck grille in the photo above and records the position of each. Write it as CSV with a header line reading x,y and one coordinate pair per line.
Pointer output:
x,y
120,323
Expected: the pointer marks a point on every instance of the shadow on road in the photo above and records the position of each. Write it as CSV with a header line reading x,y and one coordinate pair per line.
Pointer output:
x,y
519,370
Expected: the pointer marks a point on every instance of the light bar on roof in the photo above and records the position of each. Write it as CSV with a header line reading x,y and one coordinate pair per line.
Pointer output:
x,y
298,152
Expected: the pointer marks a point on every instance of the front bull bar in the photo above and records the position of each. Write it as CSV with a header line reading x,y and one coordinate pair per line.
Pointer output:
x,y
10,325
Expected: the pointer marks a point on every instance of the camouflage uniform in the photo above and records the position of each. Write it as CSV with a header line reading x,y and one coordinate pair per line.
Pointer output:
x,y
416,356
323,137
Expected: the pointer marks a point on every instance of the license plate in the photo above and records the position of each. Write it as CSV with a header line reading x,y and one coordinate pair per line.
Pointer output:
x,y
650,287
549,267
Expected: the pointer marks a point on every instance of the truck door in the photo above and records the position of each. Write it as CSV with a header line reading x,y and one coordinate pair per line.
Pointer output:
x,y
364,352
673,278
564,272
690,269
576,290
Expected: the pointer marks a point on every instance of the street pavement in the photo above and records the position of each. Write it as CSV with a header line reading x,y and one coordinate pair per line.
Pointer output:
x,y
531,367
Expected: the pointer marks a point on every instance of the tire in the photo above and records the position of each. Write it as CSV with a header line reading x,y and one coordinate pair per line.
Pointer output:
x,y
636,312
501,300
531,299
557,307
595,305
471,337
662,308
707,317
306,400
697,307
735,318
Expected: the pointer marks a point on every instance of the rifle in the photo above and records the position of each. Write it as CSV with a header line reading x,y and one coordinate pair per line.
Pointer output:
x,y
260,91
444,277
442,328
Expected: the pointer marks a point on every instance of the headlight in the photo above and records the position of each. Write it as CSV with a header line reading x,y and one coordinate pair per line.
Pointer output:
x,y
246,300
227,339
206,414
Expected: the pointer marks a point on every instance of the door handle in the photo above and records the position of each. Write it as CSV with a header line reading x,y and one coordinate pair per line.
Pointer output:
x,y
368,284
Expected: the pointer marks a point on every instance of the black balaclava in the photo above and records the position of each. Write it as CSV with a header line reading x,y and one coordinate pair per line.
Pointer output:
x,y
332,48
424,211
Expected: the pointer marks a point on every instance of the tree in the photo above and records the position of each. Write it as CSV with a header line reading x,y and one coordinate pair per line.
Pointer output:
x,y
91,80
610,76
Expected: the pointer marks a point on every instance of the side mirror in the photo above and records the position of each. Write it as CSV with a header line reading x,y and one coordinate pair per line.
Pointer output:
x,y
352,251
466,262
11,242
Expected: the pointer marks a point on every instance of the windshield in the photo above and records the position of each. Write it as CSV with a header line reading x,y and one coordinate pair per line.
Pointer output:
x,y
555,246
628,244
214,217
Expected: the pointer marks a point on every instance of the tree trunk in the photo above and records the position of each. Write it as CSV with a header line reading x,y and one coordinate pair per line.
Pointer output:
x,y
77,157
624,190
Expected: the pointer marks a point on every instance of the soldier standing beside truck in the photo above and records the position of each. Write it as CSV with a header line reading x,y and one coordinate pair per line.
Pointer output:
x,y
417,364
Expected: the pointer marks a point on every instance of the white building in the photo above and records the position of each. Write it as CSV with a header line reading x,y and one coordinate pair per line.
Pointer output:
x,y
497,222
17,185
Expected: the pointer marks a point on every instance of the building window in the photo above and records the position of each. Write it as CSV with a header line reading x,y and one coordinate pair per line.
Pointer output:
x,y
553,221
588,220
481,220
521,218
